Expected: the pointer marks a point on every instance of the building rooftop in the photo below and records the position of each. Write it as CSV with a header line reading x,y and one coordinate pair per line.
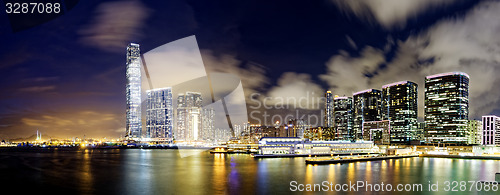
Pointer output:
x,y
396,83
447,74
159,89
337,98
364,91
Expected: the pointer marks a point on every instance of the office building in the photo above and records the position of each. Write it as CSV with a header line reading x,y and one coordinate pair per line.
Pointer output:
x,y
296,128
343,123
377,131
329,119
367,107
159,113
399,105
446,107
420,132
475,132
133,92
314,133
491,130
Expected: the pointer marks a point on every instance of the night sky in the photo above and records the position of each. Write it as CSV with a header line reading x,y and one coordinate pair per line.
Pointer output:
x,y
66,77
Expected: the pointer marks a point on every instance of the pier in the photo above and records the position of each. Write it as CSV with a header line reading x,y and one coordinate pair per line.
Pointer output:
x,y
355,159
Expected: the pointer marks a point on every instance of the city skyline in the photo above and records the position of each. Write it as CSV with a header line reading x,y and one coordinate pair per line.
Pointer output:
x,y
69,83
250,97
446,114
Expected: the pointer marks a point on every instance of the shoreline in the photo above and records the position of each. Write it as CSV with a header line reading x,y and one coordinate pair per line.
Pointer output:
x,y
304,155
460,157
363,159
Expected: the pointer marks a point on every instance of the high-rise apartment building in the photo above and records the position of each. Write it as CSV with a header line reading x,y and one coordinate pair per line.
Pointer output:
x,y
133,92
343,124
446,107
367,107
399,105
159,113
189,111
377,131
491,130
208,126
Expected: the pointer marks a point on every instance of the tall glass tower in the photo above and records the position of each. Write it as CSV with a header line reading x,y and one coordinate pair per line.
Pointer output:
x,y
343,117
367,107
159,113
446,107
399,104
133,92
329,120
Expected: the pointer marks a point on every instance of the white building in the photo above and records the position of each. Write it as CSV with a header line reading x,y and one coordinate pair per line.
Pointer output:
x,y
133,92
491,130
159,113
299,146
189,122
207,117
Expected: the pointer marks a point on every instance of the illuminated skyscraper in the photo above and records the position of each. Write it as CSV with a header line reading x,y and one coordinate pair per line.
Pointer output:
x,y
133,92
399,105
189,122
343,124
367,107
159,114
329,119
207,117
491,130
446,107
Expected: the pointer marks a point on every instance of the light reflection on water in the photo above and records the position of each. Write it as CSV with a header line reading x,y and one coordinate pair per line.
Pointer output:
x,y
135,171
86,173
219,173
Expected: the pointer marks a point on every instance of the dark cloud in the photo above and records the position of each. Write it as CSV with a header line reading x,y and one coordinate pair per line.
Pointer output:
x,y
115,25
389,13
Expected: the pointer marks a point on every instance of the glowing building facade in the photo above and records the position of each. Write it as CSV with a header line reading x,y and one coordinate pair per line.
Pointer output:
x,y
296,128
133,92
446,107
208,126
399,105
367,107
343,124
475,132
159,113
329,118
189,111
377,131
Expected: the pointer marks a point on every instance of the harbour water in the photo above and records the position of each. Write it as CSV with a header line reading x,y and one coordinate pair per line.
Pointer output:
x,y
140,171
